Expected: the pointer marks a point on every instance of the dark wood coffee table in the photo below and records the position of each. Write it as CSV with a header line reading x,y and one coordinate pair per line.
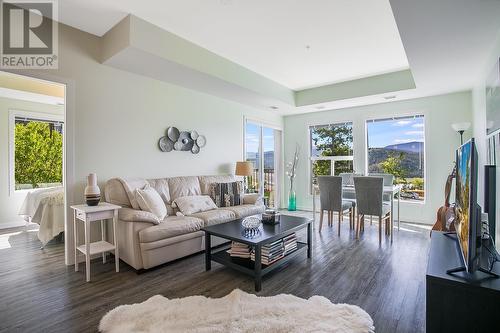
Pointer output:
x,y
268,233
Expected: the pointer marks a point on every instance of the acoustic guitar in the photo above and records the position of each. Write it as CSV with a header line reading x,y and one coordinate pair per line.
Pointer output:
x,y
446,214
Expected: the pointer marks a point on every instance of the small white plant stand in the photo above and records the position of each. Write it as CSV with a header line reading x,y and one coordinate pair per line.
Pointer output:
x,y
87,215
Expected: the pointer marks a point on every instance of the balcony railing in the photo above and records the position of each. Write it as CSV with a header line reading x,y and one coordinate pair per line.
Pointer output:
x,y
269,181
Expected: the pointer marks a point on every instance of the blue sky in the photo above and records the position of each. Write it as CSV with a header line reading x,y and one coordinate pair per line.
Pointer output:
x,y
384,133
252,138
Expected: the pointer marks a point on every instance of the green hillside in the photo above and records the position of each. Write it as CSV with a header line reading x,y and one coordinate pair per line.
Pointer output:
x,y
412,162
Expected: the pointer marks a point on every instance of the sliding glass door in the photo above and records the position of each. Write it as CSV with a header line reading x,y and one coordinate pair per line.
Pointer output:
x,y
263,149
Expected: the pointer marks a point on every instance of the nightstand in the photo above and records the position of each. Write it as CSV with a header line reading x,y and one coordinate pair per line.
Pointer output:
x,y
87,215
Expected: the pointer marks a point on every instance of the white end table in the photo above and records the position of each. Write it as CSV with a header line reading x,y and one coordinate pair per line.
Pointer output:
x,y
87,215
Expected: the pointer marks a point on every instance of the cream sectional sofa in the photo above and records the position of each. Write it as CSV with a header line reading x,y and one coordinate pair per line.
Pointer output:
x,y
144,244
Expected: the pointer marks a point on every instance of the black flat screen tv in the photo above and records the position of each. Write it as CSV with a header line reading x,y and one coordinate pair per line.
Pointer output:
x,y
467,211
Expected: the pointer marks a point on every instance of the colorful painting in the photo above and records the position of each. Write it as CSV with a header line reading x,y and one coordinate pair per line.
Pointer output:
x,y
462,209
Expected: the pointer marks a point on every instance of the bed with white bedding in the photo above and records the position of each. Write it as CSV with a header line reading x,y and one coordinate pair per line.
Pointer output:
x,y
45,207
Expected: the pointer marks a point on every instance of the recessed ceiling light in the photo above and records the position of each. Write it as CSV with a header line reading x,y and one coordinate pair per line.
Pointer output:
x,y
390,97
274,107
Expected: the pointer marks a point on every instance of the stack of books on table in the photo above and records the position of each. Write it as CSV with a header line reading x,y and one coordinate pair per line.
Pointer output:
x,y
239,250
274,251
290,243
271,252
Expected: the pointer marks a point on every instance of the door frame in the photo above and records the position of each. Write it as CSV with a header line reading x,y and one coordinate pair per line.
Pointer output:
x,y
68,151
262,124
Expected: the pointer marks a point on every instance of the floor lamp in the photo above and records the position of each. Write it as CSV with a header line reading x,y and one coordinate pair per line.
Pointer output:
x,y
461,128
244,169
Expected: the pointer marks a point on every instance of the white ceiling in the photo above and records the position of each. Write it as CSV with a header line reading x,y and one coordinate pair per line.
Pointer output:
x,y
297,43
447,41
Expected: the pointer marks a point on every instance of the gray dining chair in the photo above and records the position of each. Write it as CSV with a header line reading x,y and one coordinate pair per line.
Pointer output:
x,y
387,177
330,193
388,181
369,199
348,180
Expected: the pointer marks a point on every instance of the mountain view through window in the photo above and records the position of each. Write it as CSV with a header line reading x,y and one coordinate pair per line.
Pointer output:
x,y
396,146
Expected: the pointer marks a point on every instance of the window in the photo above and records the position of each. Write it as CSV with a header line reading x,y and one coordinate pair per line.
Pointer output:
x,y
396,146
262,148
331,149
36,150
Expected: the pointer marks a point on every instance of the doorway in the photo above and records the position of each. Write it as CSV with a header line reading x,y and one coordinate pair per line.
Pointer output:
x,y
263,149
33,112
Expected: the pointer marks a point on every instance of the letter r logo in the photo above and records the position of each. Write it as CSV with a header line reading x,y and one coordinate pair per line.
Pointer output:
x,y
27,27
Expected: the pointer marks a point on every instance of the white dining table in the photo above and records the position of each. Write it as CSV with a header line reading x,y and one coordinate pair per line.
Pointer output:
x,y
392,190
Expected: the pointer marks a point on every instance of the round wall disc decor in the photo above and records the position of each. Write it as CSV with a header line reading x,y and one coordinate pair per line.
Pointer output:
x,y
166,144
181,141
187,142
178,146
173,133
201,141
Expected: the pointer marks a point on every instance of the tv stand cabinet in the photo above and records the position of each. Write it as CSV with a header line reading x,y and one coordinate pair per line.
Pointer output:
x,y
459,302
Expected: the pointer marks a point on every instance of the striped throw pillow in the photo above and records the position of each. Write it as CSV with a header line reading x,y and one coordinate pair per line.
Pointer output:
x,y
226,194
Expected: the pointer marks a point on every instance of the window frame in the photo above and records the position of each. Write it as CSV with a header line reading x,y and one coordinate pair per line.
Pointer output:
x,y
413,115
42,116
279,171
311,158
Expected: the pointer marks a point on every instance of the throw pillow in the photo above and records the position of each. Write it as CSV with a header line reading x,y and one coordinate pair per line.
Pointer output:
x,y
194,204
226,194
149,200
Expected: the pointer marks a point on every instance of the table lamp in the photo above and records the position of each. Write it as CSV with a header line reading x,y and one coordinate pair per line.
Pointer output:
x,y
244,169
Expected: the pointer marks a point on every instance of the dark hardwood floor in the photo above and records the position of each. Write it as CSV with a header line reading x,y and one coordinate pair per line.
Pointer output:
x,y
38,293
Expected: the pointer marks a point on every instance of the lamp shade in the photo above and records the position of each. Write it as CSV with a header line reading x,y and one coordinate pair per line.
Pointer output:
x,y
244,168
460,126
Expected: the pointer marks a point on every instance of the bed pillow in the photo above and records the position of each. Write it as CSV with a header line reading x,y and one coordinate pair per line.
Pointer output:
x,y
194,204
150,201
226,194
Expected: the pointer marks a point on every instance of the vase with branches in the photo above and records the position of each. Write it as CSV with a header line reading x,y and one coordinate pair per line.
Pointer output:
x,y
291,173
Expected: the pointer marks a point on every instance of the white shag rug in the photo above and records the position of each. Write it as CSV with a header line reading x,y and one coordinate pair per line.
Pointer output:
x,y
235,313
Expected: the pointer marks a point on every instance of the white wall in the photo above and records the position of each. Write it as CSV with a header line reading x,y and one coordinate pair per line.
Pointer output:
x,y
118,118
10,203
479,124
441,141
479,109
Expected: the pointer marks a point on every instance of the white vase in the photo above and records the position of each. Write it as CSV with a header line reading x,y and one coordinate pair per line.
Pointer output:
x,y
92,191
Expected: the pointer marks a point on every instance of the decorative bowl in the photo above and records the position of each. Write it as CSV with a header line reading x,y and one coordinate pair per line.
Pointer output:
x,y
251,222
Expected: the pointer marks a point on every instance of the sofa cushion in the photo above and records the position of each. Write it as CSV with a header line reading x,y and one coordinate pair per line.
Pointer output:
x,y
115,193
194,204
205,181
226,194
183,186
133,215
130,185
252,198
171,226
246,210
150,201
215,216
161,186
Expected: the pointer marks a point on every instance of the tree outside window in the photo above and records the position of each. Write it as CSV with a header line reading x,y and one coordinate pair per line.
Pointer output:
x,y
38,153
396,146
331,149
